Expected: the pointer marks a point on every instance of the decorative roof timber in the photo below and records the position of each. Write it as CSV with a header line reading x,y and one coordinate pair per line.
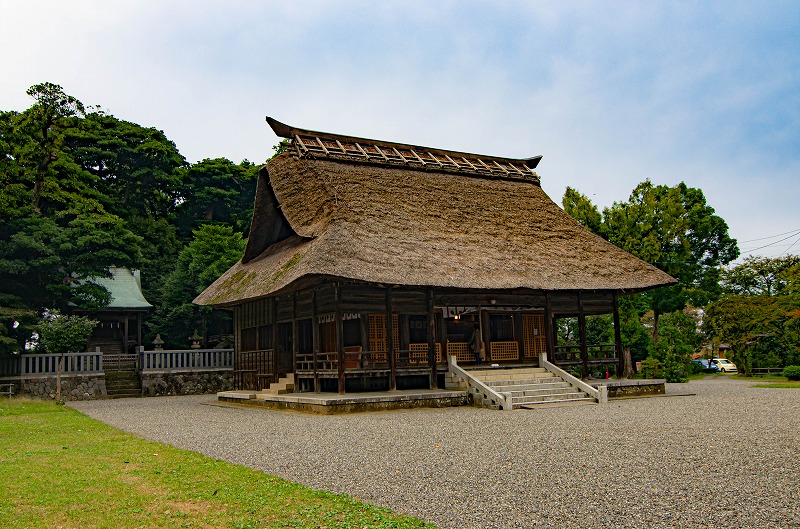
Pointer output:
x,y
352,149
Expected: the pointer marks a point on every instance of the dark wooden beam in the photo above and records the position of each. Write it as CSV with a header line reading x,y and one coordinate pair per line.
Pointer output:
x,y
315,338
582,333
295,350
549,338
618,339
339,337
273,365
390,341
434,383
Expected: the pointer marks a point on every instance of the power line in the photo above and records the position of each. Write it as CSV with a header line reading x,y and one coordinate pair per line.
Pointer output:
x,y
773,236
794,234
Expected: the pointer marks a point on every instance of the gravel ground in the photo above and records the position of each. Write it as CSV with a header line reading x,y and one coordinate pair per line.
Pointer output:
x,y
726,456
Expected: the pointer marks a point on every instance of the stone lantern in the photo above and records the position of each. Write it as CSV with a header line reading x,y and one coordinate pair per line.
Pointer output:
x,y
195,338
158,343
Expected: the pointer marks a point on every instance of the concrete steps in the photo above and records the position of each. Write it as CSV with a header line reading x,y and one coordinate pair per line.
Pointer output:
x,y
283,386
532,387
123,384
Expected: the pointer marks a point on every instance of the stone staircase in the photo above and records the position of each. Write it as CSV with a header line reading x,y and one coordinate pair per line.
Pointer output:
x,y
123,384
532,387
282,386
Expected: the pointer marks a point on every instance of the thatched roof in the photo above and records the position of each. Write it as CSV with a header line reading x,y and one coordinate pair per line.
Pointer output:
x,y
336,214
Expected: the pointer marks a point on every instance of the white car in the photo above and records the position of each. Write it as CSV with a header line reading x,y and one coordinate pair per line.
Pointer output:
x,y
724,365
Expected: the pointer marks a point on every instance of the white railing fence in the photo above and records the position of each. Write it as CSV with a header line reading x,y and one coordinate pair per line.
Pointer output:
x,y
74,364
187,360
95,362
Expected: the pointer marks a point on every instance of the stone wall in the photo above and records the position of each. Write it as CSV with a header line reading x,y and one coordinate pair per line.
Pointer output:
x,y
161,383
620,389
73,387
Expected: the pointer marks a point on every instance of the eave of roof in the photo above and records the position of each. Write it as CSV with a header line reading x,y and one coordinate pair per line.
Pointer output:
x,y
407,227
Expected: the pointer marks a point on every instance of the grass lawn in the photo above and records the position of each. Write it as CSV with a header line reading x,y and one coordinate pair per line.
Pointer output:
x,y
770,381
61,469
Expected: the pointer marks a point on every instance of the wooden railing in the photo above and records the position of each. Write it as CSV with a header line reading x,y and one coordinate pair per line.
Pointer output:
x,y
187,360
254,370
598,354
47,364
365,361
120,362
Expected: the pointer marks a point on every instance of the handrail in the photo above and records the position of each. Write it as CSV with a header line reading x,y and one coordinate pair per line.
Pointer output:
x,y
187,360
501,399
87,363
600,393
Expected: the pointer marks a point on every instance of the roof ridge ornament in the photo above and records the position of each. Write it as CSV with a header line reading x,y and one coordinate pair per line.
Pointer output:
x,y
362,150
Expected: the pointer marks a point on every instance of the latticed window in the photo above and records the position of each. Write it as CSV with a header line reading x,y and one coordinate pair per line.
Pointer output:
x,y
377,333
533,335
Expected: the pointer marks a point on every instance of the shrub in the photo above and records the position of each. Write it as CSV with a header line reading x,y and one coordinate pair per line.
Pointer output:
x,y
792,372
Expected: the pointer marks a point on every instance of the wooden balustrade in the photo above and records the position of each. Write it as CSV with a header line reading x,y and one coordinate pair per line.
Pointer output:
x,y
32,365
187,360
598,354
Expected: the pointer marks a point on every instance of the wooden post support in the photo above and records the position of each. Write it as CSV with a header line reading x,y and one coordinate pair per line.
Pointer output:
x,y
549,342
314,338
339,338
390,341
434,383
272,361
582,333
295,346
618,339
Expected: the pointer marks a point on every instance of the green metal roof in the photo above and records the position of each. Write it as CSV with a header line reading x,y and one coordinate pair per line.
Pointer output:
x,y
125,287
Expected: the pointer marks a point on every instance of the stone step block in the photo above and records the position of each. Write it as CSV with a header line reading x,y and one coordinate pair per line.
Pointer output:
x,y
548,397
556,403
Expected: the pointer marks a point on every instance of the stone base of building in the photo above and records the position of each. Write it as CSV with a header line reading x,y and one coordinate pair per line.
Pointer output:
x,y
73,387
164,383
330,403
628,388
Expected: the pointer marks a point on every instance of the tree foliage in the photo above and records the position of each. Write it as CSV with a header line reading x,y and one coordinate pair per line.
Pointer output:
x,y
213,250
82,190
759,316
56,229
61,333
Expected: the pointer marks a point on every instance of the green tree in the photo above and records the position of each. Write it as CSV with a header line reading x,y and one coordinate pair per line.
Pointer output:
x,y
759,316
218,190
55,228
678,340
583,210
674,229
136,169
61,334
215,248
761,275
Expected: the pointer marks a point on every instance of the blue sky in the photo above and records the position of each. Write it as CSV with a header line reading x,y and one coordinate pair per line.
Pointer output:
x,y
610,93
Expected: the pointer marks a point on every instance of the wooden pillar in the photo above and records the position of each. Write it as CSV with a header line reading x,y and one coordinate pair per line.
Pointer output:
x,y
314,339
618,338
582,333
339,337
390,341
272,361
295,345
434,382
519,335
441,326
549,337
139,332
125,336
486,334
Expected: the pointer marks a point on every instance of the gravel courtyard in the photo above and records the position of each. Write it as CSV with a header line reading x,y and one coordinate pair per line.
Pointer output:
x,y
727,456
